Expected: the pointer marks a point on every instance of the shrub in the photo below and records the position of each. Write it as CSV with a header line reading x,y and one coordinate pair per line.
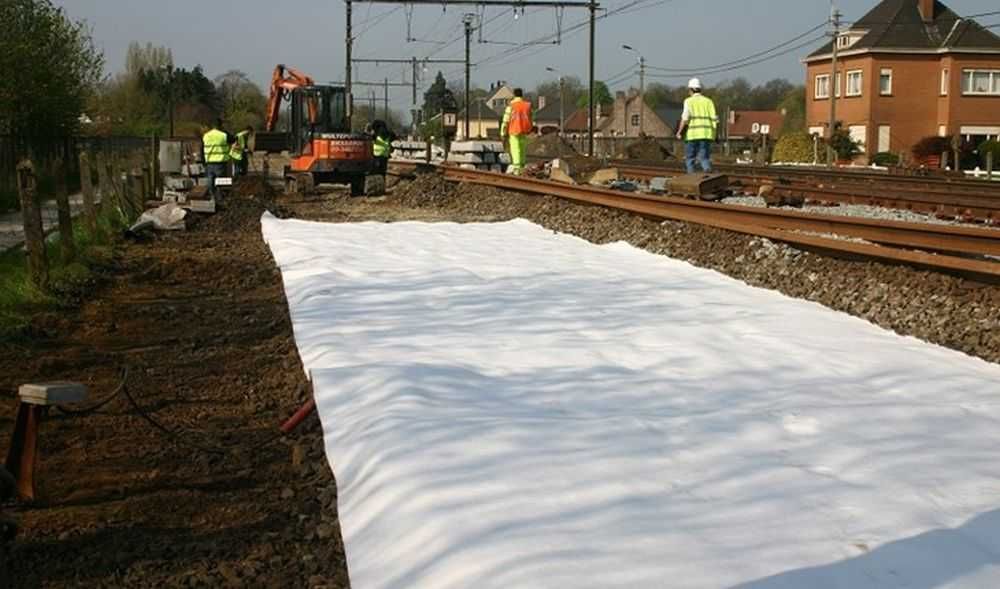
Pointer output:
x,y
886,158
843,144
795,147
991,146
931,146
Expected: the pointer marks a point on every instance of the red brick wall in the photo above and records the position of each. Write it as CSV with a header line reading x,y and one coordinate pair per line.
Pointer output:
x,y
915,108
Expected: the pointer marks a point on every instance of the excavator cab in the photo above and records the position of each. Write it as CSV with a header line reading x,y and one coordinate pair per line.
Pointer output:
x,y
316,110
319,139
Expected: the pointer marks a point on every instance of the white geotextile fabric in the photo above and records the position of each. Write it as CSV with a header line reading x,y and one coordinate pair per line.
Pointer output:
x,y
508,407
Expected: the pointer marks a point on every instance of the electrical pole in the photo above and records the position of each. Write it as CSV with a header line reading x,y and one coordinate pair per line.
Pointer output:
x,y
386,111
467,20
562,114
835,20
413,108
348,74
642,93
170,96
592,123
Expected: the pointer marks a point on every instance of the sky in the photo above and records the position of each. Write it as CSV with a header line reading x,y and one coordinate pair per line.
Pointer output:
x,y
254,35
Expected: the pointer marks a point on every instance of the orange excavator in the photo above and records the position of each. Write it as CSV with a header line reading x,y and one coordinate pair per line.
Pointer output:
x,y
319,137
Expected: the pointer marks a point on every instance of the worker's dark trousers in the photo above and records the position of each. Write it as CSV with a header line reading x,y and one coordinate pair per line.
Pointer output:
x,y
240,166
382,165
213,171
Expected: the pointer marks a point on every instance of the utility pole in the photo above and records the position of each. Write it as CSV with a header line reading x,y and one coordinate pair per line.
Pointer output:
x,y
386,111
414,109
835,21
642,90
467,20
592,123
562,96
170,96
642,94
348,74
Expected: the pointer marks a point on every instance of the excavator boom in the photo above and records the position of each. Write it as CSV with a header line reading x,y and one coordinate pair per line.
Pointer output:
x,y
285,79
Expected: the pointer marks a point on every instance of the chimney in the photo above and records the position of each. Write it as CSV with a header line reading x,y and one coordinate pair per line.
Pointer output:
x,y
541,102
926,10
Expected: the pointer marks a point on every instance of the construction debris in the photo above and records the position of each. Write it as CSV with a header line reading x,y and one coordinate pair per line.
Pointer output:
x,y
604,177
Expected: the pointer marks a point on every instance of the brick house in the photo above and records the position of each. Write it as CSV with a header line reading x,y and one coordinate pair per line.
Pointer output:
x,y
624,119
907,70
743,124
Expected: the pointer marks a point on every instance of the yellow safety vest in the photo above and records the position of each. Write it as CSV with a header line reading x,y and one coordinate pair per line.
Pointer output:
x,y
216,147
242,142
381,147
703,121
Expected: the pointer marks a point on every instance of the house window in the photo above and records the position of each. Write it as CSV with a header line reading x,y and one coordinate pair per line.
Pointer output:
x,y
837,88
944,82
823,86
635,120
843,41
854,79
981,82
884,82
884,138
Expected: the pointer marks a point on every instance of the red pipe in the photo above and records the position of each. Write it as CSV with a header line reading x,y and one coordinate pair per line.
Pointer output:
x,y
303,412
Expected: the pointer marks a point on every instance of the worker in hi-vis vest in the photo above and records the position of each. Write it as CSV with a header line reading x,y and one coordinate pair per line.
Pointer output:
x,y
215,148
240,152
516,126
698,127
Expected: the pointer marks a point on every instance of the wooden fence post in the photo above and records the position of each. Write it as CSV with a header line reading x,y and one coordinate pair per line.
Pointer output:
x,y
87,188
34,233
66,243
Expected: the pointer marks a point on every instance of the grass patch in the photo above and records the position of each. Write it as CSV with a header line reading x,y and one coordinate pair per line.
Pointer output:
x,y
20,299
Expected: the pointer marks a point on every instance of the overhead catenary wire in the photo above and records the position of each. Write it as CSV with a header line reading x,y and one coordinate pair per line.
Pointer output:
x,y
742,65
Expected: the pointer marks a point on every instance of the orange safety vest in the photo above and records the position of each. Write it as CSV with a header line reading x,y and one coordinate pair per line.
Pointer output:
x,y
520,118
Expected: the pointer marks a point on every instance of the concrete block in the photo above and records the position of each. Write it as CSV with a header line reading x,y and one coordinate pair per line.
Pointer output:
x,y
52,393
496,168
467,166
605,177
504,159
467,147
703,186
559,175
465,158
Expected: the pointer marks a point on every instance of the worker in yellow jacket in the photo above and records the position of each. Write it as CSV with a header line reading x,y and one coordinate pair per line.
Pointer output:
x,y
698,127
240,152
516,126
215,148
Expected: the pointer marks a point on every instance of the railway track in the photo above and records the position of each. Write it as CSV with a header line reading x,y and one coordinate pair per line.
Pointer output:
x,y
971,201
969,251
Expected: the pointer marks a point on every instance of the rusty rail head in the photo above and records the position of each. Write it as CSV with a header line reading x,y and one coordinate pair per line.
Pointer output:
x,y
785,226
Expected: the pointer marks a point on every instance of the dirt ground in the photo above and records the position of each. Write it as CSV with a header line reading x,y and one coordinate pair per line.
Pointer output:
x,y
201,322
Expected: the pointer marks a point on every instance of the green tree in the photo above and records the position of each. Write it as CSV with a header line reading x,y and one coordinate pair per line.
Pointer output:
x,y
601,93
436,96
794,107
139,59
50,67
243,103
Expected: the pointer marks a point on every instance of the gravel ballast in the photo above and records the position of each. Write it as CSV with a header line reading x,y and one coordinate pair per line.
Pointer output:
x,y
939,308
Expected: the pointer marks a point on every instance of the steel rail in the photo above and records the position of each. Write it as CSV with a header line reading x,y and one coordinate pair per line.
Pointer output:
x,y
940,183
981,207
794,228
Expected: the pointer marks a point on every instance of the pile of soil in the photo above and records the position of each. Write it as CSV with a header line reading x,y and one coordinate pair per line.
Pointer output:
x,y
550,146
200,320
647,149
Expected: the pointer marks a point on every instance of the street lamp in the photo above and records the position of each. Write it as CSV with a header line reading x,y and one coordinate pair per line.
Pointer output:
x,y
562,115
642,87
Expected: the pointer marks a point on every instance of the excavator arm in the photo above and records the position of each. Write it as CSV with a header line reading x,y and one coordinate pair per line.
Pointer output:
x,y
284,80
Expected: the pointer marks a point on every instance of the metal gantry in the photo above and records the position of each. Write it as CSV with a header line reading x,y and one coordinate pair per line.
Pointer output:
x,y
590,5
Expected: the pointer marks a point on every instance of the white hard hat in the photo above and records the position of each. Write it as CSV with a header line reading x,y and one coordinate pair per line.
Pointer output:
x,y
694,84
